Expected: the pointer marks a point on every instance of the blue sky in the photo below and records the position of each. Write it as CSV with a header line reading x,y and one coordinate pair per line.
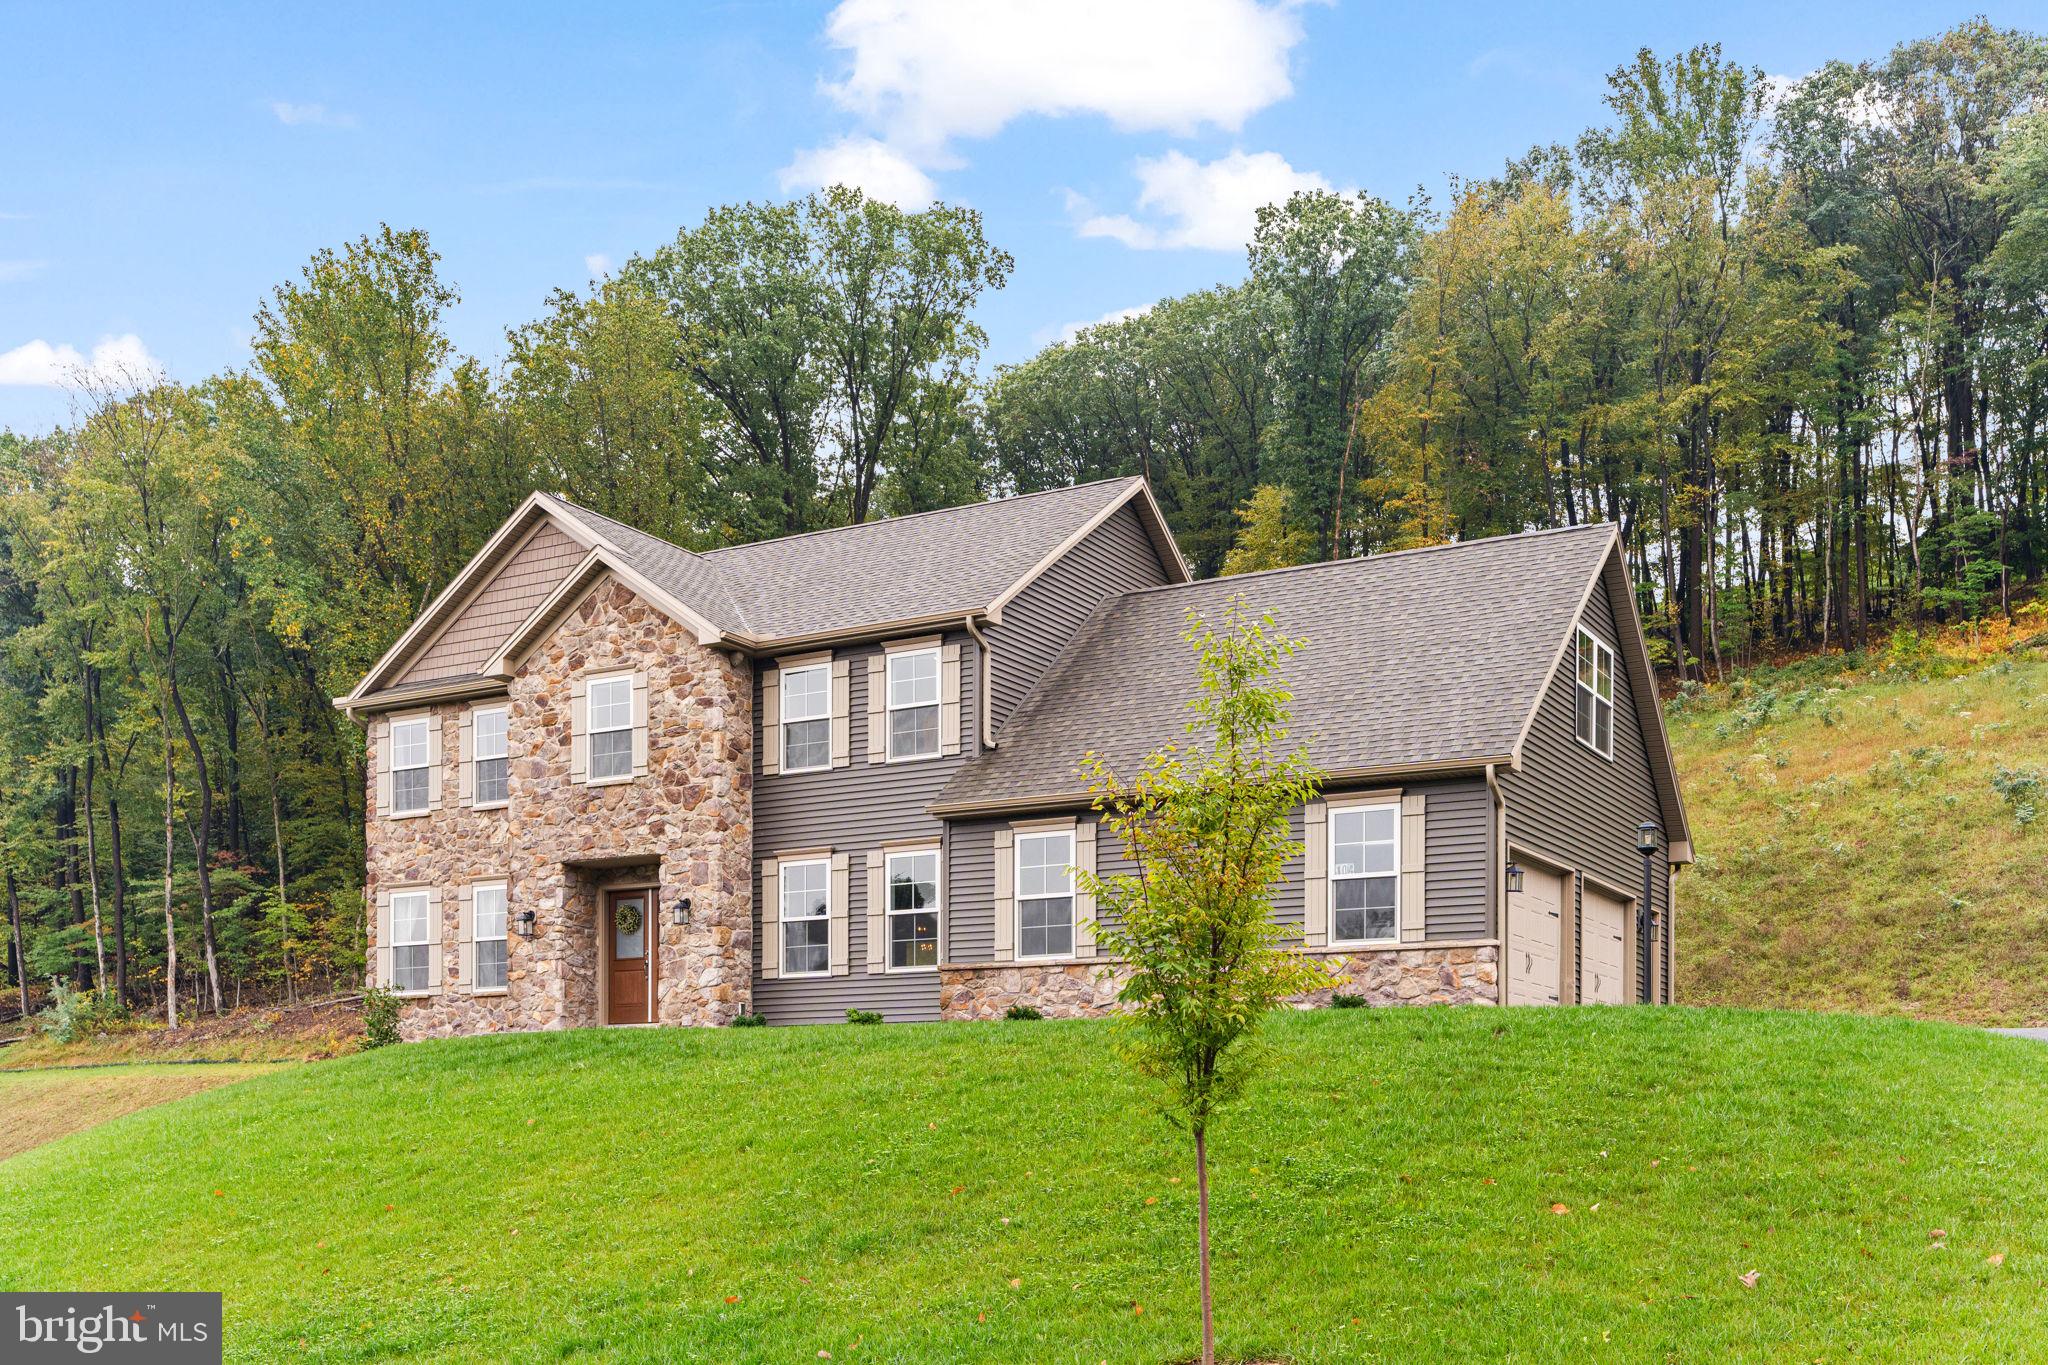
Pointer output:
x,y
162,167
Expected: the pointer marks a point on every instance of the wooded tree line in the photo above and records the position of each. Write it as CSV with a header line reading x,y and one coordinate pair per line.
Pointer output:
x,y
1793,339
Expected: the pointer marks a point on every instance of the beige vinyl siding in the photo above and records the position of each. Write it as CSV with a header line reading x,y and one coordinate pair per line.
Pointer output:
x,y
1569,802
532,572
1037,624
858,810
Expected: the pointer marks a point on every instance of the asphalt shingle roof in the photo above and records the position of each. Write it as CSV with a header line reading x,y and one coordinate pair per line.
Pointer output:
x,y
959,559
1424,657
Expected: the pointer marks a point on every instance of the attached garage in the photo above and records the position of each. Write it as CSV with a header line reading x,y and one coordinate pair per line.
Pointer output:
x,y
1535,923
1603,948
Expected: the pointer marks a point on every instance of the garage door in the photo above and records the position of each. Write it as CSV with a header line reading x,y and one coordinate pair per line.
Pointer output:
x,y
1534,914
1603,949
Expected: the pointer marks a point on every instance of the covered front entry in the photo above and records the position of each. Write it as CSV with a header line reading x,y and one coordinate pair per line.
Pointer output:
x,y
628,936
1535,919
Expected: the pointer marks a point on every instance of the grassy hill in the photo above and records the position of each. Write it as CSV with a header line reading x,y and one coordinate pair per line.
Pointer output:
x,y
1546,1185
1872,832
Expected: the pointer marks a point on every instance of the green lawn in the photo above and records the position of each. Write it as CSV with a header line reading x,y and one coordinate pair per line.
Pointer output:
x,y
1002,1192
1855,851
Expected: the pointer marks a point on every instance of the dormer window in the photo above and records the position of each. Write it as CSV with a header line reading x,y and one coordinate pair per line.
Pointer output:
x,y
1595,717
913,704
807,718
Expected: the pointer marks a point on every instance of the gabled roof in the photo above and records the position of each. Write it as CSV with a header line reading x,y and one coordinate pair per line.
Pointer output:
x,y
1418,661
896,573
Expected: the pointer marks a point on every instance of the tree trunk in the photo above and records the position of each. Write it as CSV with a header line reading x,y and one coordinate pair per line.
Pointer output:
x,y
1202,1243
170,862
119,885
202,841
14,944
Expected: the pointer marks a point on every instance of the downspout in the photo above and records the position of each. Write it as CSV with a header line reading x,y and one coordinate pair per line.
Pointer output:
x,y
1497,866
986,666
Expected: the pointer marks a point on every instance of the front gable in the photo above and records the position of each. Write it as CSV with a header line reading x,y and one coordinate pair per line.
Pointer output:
x,y
497,606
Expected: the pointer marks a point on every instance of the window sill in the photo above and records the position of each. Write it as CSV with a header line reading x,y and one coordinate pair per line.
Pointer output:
x,y
800,772
608,781
891,762
908,971
410,814
801,976
427,994
489,805
1594,749
492,990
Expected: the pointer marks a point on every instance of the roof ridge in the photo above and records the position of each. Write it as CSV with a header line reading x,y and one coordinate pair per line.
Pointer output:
x,y
1370,559
913,516
566,501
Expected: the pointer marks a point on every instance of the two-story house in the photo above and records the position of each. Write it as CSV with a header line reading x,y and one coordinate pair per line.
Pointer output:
x,y
616,782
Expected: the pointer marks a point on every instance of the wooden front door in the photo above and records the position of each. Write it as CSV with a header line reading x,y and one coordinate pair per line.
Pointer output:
x,y
629,938
1535,915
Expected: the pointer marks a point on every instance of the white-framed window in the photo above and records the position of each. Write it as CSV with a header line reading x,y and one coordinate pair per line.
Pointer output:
x,y
411,965
807,718
807,917
410,751
611,727
1365,873
487,740
487,932
1045,893
913,878
1595,719
913,704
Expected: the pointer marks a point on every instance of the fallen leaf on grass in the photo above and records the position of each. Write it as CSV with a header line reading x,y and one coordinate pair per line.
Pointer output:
x,y
824,1355
1137,1309
732,1298
1152,1199
1016,1284
1995,1258
1938,1233
1749,1280
1560,1209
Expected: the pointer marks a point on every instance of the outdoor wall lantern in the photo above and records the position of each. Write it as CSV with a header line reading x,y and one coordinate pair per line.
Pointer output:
x,y
524,919
679,913
1514,878
1646,844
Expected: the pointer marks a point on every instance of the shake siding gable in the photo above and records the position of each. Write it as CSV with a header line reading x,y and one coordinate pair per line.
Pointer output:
x,y
1038,622
520,585
1570,803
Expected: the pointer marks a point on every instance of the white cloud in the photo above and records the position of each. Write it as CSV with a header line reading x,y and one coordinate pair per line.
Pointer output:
x,y
874,168
310,115
1866,110
13,272
926,71
1067,331
598,264
1211,205
121,361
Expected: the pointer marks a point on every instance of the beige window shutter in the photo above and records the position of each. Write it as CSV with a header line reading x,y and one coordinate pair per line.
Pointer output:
x,y
771,915
385,975
465,759
639,725
771,722
949,699
842,713
1315,880
1006,909
841,888
579,727
878,913
1414,807
878,708
436,969
380,742
1084,898
433,760
465,939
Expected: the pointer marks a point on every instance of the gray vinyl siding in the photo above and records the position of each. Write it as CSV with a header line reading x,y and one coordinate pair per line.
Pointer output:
x,y
1116,557
1573,804
1455,876
853,810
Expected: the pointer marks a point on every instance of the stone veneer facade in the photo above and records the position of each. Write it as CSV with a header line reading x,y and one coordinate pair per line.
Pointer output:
x,y
688,823
1458,975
